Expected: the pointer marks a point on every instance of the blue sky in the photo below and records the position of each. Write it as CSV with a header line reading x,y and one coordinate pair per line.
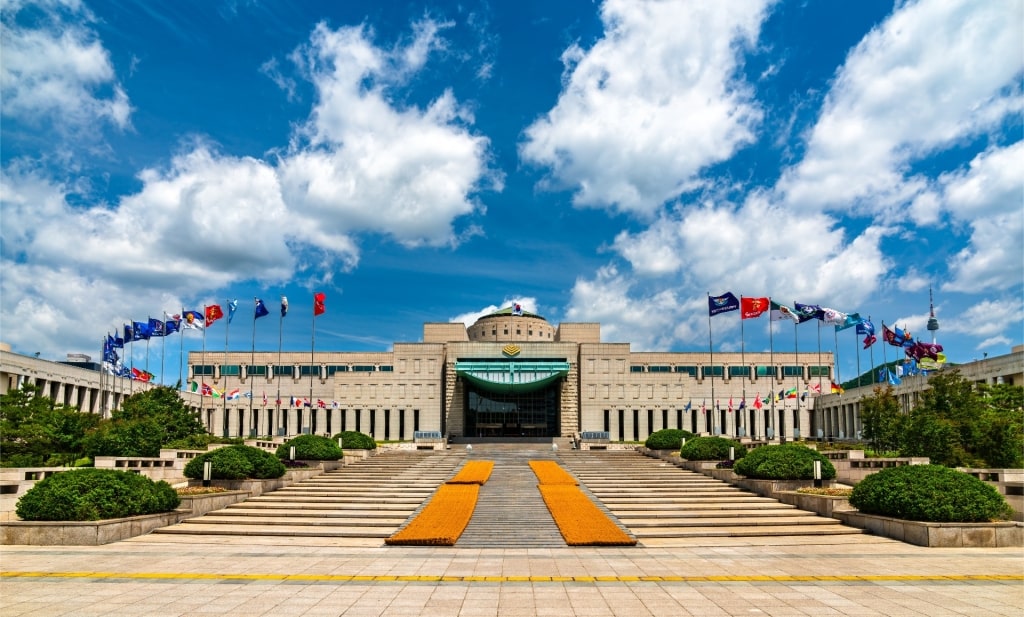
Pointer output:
x,y
433,161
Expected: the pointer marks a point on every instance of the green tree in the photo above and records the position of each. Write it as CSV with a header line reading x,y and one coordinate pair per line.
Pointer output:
x,y
145,422
882,420
35,431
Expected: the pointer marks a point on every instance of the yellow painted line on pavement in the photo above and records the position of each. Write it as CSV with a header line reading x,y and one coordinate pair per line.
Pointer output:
x,y
380,578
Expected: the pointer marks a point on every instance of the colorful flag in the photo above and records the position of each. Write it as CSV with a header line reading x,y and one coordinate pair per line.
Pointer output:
x,y
334,404
156,327
808,312
689,404
730,404
895,337
232,307
743,405
213,313
141,375
284,306
870,340
865,327
261,309
791,393
836,388
757,401
517,309
172,323
321,404
192,320
234,394
318,303
753,307
833,317
264,399
851,320
723,303
781,311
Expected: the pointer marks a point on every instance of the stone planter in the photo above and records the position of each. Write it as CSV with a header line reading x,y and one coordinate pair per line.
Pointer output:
x,y
940,535
822,505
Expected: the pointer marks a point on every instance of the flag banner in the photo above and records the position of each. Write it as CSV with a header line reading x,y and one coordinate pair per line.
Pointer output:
x,y
234,394
321,404
156,327
791,393
833,317
141,331
129,334
517,309
172,323
118,341
851,320
870,340
865,327
781,311
689,405
192,320
836,388
723,303
753,307
334,404
895,337
261,309
284,306
808,312
141,375
758,404
264,399
232,307
318,303
213,313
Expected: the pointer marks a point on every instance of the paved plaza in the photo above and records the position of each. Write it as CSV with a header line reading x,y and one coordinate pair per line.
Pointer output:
x,y
157,576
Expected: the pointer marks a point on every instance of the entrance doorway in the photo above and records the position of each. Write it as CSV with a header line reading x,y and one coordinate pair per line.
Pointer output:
x,y
512,414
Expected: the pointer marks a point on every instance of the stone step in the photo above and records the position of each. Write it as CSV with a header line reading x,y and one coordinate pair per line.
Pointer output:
x,y
294,520
744,531
280,530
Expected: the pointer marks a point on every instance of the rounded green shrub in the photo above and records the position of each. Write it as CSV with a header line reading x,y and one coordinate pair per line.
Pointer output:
x,y
667,439
929,493
711,449
90,494
352,440
784,462
201,441
236,463
310,448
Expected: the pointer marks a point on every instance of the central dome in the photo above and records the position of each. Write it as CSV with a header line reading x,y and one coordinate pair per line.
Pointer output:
x,y
511,324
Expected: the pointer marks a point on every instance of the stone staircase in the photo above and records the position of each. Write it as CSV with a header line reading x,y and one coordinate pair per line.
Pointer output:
x,y
368,499
664,505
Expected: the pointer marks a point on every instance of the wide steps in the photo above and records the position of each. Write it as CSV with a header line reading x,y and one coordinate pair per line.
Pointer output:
x,y
281,530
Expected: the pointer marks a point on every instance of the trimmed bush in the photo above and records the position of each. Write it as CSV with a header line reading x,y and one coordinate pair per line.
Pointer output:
x,y
711,449
202,442
784,462
667,439
352,440
310,448
929,493
236,463
95,494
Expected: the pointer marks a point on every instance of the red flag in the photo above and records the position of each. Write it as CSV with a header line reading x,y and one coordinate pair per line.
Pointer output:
x,y
318,303
753,307
213,313
757,401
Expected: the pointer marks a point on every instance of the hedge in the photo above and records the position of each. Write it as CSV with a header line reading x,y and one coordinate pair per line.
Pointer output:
x,y
352,440
310,448
236,463
711,449
95,494
667,439
784,462
929,493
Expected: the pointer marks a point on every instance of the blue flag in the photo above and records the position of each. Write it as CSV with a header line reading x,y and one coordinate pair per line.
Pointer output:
x,y
156,327
723,303
261,309
232,307
141,331
808,312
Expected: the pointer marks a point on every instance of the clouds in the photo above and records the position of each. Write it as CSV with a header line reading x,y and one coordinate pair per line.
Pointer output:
x,y
55,72
650,105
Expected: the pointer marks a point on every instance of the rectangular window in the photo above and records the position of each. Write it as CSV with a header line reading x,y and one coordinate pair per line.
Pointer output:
x,y
230,369
664,419
818,371
257,371
387,425
336,368
689,370
765,371
636,425
636,368
384,368
739,371
363,368
659,369
792,371
359,420
415,419
373,422
679,419
607,421
305,370
622,425
202,369
401,425
283,371
716,371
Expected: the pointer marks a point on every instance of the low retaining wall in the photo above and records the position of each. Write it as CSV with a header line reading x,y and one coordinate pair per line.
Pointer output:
x,y
938,535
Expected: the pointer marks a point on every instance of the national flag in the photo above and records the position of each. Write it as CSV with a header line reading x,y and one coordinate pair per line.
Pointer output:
x,y
261,309
865,327
781,311
791,393
757,402
334,404
214,392
318,303
141,375
808,312
833,317
851,320
893,378
836,388
232,307
730,404
816,388
321,404
247,394
233,395
895,337
689,404
517,309
213,313
742,406
284,306
172,323
703,405
264,399
753,307
156,327
870,340
109,355
803,397
723,303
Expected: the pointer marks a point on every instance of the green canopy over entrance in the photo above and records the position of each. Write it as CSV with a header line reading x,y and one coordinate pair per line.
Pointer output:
x,y
511,377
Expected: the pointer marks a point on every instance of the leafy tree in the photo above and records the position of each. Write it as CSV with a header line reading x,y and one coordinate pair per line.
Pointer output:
x,y
36,431
145,422
882,420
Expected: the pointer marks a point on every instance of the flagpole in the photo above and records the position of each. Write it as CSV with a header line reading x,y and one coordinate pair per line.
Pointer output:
x,y
885,361
252,361
131,362
312,362
775,370
199,386
711,351
856,350
739,412
181,350
796,356
280,338
819,374
871,355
